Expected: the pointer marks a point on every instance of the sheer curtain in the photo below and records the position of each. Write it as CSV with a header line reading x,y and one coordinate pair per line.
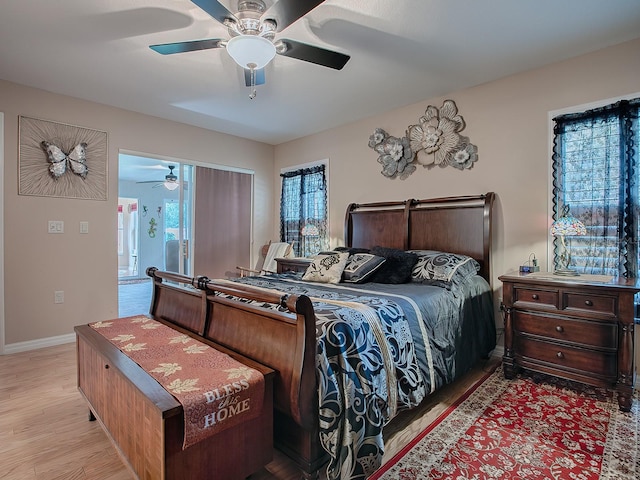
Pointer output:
x,y
303,210
596,173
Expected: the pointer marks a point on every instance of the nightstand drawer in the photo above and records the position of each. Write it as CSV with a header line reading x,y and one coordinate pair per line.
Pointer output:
x,y
602,364
595,334
544,298
591,303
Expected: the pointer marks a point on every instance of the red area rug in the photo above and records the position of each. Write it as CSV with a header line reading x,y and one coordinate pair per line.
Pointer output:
x,y
520,429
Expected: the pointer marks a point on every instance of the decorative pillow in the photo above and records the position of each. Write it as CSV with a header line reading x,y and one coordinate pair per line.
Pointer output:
x,y
443,266
397,267
360,266
326,268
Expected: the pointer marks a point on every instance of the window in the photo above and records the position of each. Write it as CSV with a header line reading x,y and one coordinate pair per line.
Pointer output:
x,y
596,171
303,210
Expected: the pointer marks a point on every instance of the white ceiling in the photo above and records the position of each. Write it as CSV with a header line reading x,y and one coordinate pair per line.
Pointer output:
x,y
402,52
134,168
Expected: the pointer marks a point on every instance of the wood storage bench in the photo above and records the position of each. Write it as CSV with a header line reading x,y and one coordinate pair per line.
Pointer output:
x,y
146,423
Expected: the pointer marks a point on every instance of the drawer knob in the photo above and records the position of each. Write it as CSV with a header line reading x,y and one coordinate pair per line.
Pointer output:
x,y
560,355
588,303
106,366
559,329
535,296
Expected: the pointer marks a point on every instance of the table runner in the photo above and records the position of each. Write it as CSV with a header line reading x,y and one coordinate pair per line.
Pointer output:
x,y
216,391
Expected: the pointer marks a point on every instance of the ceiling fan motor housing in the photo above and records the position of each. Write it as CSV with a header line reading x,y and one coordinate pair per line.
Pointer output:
x,y
249,20
171,177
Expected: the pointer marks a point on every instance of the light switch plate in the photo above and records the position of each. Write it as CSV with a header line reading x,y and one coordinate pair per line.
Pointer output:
x,y
58,296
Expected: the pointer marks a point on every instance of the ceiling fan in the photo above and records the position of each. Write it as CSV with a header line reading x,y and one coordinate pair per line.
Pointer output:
x,y
252,30
170,181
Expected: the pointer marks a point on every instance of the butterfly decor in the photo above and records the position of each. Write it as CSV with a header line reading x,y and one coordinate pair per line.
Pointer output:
x,y
61,160
76,159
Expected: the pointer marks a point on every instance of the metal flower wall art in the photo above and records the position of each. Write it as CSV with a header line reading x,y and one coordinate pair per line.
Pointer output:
x,y
394,154
436,140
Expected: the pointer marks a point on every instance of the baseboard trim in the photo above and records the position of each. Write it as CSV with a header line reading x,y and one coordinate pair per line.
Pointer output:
x,y
39,343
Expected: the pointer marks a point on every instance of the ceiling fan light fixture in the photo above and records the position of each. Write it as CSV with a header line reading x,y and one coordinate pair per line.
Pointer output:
x,y
251,51
171,185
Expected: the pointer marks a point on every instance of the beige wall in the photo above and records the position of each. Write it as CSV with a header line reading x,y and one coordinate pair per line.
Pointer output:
x,y
85,266
507,119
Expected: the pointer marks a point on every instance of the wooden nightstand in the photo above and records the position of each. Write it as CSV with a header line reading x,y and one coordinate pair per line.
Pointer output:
x,y
292,264
571,328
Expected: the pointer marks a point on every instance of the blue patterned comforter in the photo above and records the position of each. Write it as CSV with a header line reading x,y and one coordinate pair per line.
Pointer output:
x,y
383,348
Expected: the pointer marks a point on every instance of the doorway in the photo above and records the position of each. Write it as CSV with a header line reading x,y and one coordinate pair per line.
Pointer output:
x,y
154,225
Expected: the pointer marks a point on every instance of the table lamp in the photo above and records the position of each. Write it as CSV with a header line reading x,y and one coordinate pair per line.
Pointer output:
x,y
566,226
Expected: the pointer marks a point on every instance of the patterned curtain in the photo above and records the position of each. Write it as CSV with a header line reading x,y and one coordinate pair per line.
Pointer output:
x,y
595,172
303,210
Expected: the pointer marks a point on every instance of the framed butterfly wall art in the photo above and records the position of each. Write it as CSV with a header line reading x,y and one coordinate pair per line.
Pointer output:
x,y
60,160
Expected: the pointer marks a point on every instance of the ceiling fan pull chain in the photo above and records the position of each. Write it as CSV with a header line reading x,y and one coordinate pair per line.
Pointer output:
x,y
252,75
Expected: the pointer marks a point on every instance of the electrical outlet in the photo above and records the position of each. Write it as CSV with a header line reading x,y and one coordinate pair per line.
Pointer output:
x,y
56,226
58,296
84,227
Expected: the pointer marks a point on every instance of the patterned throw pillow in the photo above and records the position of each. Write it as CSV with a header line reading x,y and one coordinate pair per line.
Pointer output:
x,y
443,266
361,266
326,268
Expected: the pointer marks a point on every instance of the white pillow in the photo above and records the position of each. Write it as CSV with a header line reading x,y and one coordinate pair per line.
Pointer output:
x,y
326,268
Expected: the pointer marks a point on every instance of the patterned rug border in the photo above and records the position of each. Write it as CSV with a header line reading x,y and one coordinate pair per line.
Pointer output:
x,y
624,428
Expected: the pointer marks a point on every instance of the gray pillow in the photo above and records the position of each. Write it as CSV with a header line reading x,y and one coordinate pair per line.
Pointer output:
x,y
443,266
361,266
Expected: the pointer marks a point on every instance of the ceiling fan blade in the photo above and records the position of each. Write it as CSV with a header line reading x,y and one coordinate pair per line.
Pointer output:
x,y
260,78
285,12
313,54
182,47
215,9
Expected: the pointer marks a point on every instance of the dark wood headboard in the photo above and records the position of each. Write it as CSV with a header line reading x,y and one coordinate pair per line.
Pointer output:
x,y
450,224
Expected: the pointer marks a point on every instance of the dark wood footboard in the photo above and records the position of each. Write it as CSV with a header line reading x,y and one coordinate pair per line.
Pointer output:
x,y
283,340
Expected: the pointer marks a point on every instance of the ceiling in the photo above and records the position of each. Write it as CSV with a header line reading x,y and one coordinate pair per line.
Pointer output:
x,y
133,168
402,52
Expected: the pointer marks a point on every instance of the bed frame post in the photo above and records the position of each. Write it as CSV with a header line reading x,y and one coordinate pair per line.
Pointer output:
x,y
489,198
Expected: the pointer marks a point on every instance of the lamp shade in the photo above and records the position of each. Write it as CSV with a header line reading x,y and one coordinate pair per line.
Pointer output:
x,y
310,230
567,226
171,185
251,51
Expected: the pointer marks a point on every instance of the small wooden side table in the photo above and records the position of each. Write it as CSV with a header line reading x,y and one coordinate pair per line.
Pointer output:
x,y
292,264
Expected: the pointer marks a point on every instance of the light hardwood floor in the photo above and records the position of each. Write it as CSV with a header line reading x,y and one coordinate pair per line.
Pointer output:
x,y
45,433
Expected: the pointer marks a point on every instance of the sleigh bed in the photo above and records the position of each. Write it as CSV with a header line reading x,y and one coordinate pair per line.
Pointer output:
x,y
349,356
